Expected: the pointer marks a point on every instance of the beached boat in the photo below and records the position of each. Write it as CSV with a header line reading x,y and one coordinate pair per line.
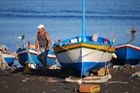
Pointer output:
x,y
127,54
9,58
29,55
84,56
84,53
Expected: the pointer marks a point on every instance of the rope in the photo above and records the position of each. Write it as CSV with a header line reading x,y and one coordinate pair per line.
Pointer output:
x,y
107,70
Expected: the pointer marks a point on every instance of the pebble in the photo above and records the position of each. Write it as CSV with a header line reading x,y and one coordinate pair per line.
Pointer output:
x,y
40,77
126,92
44,92
5,86
54,90
24,80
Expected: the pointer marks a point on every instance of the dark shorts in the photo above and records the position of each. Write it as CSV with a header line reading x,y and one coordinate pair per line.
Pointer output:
x,y
43,58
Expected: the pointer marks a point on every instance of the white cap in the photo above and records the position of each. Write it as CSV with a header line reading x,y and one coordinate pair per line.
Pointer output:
x,y
41,26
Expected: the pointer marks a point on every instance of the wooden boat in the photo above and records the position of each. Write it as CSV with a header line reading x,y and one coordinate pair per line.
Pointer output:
x,y
9,58
29,55
84,53
127,54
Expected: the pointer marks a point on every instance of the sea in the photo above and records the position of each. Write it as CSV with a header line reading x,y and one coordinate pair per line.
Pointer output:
x,y
63,19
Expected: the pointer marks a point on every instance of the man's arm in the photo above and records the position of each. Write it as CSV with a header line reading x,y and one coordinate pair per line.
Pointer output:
x,y
36,43
49,41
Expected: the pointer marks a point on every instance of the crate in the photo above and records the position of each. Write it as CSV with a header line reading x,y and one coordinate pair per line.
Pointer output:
x,y
89,88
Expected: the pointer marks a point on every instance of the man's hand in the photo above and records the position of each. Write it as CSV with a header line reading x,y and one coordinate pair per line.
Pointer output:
x,y
36,49
47,48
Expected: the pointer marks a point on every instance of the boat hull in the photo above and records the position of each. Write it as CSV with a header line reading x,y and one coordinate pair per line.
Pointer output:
x,y
30,56
83,57
87,67
9,59
127,54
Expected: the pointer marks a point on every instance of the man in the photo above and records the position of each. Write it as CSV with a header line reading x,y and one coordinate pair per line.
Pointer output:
x,y
42,43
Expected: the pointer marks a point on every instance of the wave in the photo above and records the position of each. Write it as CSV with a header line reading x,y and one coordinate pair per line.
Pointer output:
x,y
38,11
111,14
111,11
124,17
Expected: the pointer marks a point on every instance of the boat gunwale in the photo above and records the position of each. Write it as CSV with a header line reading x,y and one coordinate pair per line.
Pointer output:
x,y
35,53
64,48
128,46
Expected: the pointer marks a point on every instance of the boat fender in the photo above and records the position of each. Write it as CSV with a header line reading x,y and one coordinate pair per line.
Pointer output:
x,y
95,38
32,65
114,55
59,41
105,40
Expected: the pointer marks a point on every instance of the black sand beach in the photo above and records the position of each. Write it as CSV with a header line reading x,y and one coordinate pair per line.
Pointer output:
x,y
17,82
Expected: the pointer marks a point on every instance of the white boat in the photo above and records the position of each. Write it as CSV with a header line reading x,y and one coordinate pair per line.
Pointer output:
x,y
27,54
9,58
30,55
84,53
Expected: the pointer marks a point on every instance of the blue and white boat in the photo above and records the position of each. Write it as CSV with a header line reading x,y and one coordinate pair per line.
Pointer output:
x,y
127,54
9,58
29,55
84,53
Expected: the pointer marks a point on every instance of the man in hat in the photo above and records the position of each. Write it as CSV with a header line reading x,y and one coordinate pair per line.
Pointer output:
x,y
42,43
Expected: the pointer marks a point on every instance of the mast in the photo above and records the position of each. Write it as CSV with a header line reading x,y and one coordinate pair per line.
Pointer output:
x,y
83,21
83,30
